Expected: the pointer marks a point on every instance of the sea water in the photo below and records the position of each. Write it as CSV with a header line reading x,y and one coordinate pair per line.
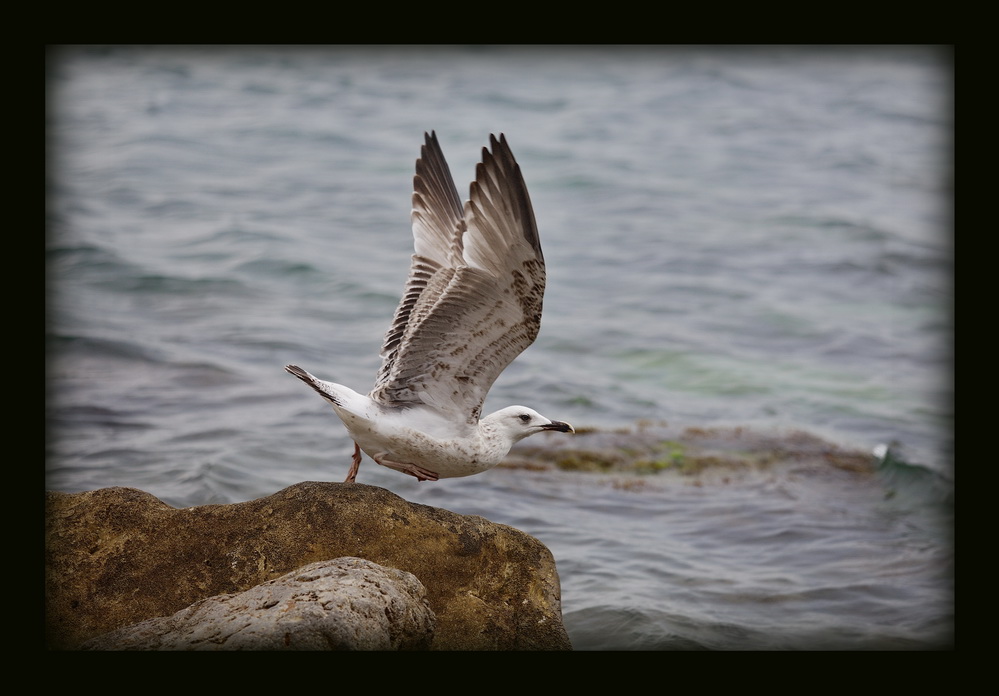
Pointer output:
x,y
752,237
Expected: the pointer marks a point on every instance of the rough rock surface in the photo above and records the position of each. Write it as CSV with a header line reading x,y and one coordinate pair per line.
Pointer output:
x,y
118,556
344,604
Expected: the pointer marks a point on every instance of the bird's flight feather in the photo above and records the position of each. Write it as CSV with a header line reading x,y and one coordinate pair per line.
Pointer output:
x,y
473,299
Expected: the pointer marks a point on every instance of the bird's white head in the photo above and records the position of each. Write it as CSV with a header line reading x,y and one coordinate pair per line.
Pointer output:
x,y
514,423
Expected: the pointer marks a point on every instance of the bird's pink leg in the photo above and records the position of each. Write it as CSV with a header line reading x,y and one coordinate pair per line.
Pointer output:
x,y
419,472
355,463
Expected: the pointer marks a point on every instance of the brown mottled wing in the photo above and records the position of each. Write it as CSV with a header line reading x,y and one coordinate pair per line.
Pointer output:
x,y
473,299
437,230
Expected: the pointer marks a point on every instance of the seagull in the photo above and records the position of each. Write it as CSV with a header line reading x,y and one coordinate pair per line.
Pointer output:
x,y
472,303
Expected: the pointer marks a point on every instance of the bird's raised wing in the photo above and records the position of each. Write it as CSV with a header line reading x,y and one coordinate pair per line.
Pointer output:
x,y
473,299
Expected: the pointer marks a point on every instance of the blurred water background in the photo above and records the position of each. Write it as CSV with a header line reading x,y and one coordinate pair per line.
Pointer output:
x,y
750,237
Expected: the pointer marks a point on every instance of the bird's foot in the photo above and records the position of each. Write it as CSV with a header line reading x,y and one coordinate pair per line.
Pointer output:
x,y
419,472
355,463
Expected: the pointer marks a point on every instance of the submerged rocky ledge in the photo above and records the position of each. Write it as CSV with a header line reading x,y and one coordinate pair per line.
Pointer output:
x,y
314,566
656,452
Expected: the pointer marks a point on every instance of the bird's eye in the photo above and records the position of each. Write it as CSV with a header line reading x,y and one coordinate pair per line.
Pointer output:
x,y
524,418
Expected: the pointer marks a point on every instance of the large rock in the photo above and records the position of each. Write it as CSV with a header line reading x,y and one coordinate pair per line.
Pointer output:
x,y
346,604
118,556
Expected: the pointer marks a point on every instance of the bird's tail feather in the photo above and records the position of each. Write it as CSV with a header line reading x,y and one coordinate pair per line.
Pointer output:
x,y
316,384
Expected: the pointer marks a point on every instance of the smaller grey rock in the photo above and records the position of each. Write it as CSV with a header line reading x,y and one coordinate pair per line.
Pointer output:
x,y
343,604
